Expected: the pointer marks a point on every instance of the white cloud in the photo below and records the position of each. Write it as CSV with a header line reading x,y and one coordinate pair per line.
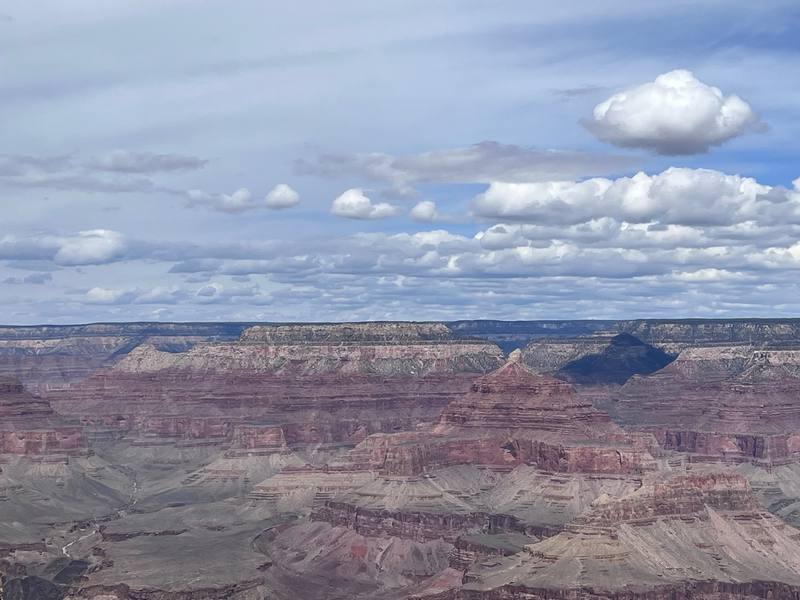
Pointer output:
x,y
242,200
353,204
96,246
424,212
239,201
675,114
211,293
99,295
711,275
676,196
281,196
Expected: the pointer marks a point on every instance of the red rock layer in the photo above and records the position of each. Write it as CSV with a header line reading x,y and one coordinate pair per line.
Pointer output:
x,y
718,403
318,409
514,398
28,425
510,417
413,453
319,383
16,404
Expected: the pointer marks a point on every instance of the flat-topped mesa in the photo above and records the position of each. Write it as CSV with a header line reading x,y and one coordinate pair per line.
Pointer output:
x,y
28,425
319,391
413,358
512,397
353,333
678,334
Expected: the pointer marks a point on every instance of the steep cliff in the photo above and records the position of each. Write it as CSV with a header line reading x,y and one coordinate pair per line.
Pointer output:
x,y
700,535
29,426
728,402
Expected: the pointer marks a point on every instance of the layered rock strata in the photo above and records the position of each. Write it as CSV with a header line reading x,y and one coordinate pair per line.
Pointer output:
x,y
29,427
700,534
54,356
731,403
507,418
318,384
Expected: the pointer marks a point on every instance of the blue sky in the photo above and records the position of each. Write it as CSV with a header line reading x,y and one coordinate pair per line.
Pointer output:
x,y
141,141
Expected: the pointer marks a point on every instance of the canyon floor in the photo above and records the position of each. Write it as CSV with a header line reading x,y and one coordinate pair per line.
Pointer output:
x,y
444,461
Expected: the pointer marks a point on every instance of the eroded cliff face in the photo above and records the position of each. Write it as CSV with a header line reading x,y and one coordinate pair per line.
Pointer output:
x,y
30,427
402,460
733,403
392,333
681,334
303,359
661,540
53,357
509,419
284,380
671,335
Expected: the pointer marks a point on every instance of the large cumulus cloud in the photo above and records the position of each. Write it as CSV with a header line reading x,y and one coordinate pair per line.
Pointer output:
x,y
675,114
676,196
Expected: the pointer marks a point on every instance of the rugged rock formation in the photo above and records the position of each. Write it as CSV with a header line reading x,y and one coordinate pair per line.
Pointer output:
x,y
735,403
472,548
512,397
700,534
28,425
401,460
312,560
308,381
510,417
53,356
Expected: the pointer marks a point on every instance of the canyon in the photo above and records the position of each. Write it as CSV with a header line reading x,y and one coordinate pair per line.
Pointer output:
x,y
388,460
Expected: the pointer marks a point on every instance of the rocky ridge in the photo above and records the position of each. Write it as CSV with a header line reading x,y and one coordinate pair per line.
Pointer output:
x,y
701,533
407,461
